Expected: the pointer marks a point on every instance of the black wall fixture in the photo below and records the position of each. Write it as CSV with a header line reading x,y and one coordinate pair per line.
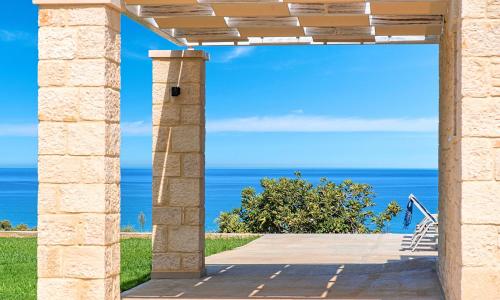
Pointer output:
x,y
176,91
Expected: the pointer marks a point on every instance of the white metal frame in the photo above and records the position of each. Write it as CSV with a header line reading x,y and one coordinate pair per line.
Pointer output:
x,y
428,225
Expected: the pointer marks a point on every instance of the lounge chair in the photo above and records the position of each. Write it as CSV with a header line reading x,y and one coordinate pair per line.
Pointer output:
x,y
428,225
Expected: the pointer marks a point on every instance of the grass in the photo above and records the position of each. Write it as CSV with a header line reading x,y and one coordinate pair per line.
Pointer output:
x,y
216,245
17,268
135,262
18,263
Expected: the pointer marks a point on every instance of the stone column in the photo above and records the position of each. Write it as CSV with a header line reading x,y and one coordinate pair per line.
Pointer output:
x,y
78,150
178,164
470,155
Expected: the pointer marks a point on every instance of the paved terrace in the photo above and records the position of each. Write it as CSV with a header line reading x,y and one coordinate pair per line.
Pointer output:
x,y
309,267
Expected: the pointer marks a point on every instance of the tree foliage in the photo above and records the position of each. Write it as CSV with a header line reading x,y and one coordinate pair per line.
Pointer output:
x,y
294,205
6,225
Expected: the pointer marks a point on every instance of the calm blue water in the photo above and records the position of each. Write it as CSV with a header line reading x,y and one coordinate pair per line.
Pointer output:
x,y
18,190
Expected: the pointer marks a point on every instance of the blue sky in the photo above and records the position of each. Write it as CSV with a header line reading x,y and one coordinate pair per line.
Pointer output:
x,y
301,106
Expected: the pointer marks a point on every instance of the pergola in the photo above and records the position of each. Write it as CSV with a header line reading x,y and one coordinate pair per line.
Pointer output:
x,y
79,126
274,22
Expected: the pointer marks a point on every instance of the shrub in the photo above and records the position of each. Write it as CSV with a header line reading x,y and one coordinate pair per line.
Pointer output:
x,y
294,205
128,228
5,225
22,227
231,222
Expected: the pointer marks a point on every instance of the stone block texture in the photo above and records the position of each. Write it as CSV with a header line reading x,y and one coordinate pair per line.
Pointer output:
x,y
78,155
469,162
178,164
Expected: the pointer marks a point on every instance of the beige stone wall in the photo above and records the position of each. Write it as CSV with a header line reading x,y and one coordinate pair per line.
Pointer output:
x,y
469,156
449,166
178,164
79,148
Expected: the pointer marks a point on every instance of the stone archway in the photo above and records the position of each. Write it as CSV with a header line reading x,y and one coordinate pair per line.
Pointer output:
x,y
79,168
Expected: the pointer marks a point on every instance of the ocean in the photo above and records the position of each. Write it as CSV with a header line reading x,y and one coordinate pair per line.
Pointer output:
x,y
18,191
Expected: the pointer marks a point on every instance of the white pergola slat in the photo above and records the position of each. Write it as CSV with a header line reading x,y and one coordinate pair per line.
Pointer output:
x,y
264,22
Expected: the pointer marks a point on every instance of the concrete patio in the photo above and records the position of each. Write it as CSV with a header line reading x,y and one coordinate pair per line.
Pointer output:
x,y
309,267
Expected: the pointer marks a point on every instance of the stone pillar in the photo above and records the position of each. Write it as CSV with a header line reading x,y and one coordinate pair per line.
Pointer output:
x,y
469,218
178,164
78,150
449,160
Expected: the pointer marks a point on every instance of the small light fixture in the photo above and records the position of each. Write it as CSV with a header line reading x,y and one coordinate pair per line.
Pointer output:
x,y
176,91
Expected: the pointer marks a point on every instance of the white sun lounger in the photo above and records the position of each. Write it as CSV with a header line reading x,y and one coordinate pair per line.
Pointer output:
x,y
428,225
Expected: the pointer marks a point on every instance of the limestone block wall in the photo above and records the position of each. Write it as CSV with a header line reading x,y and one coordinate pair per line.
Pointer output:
x,y
469,159
449,161
178,164
79,148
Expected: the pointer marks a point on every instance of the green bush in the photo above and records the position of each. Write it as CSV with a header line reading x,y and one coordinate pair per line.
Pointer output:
x,y
294,205
22,227
231,222
6,225
128,228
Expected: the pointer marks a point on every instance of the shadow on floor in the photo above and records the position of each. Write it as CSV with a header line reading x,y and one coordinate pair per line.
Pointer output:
x,y
410,277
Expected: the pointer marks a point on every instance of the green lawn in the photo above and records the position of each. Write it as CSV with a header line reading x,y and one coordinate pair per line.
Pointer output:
x,y
18,263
